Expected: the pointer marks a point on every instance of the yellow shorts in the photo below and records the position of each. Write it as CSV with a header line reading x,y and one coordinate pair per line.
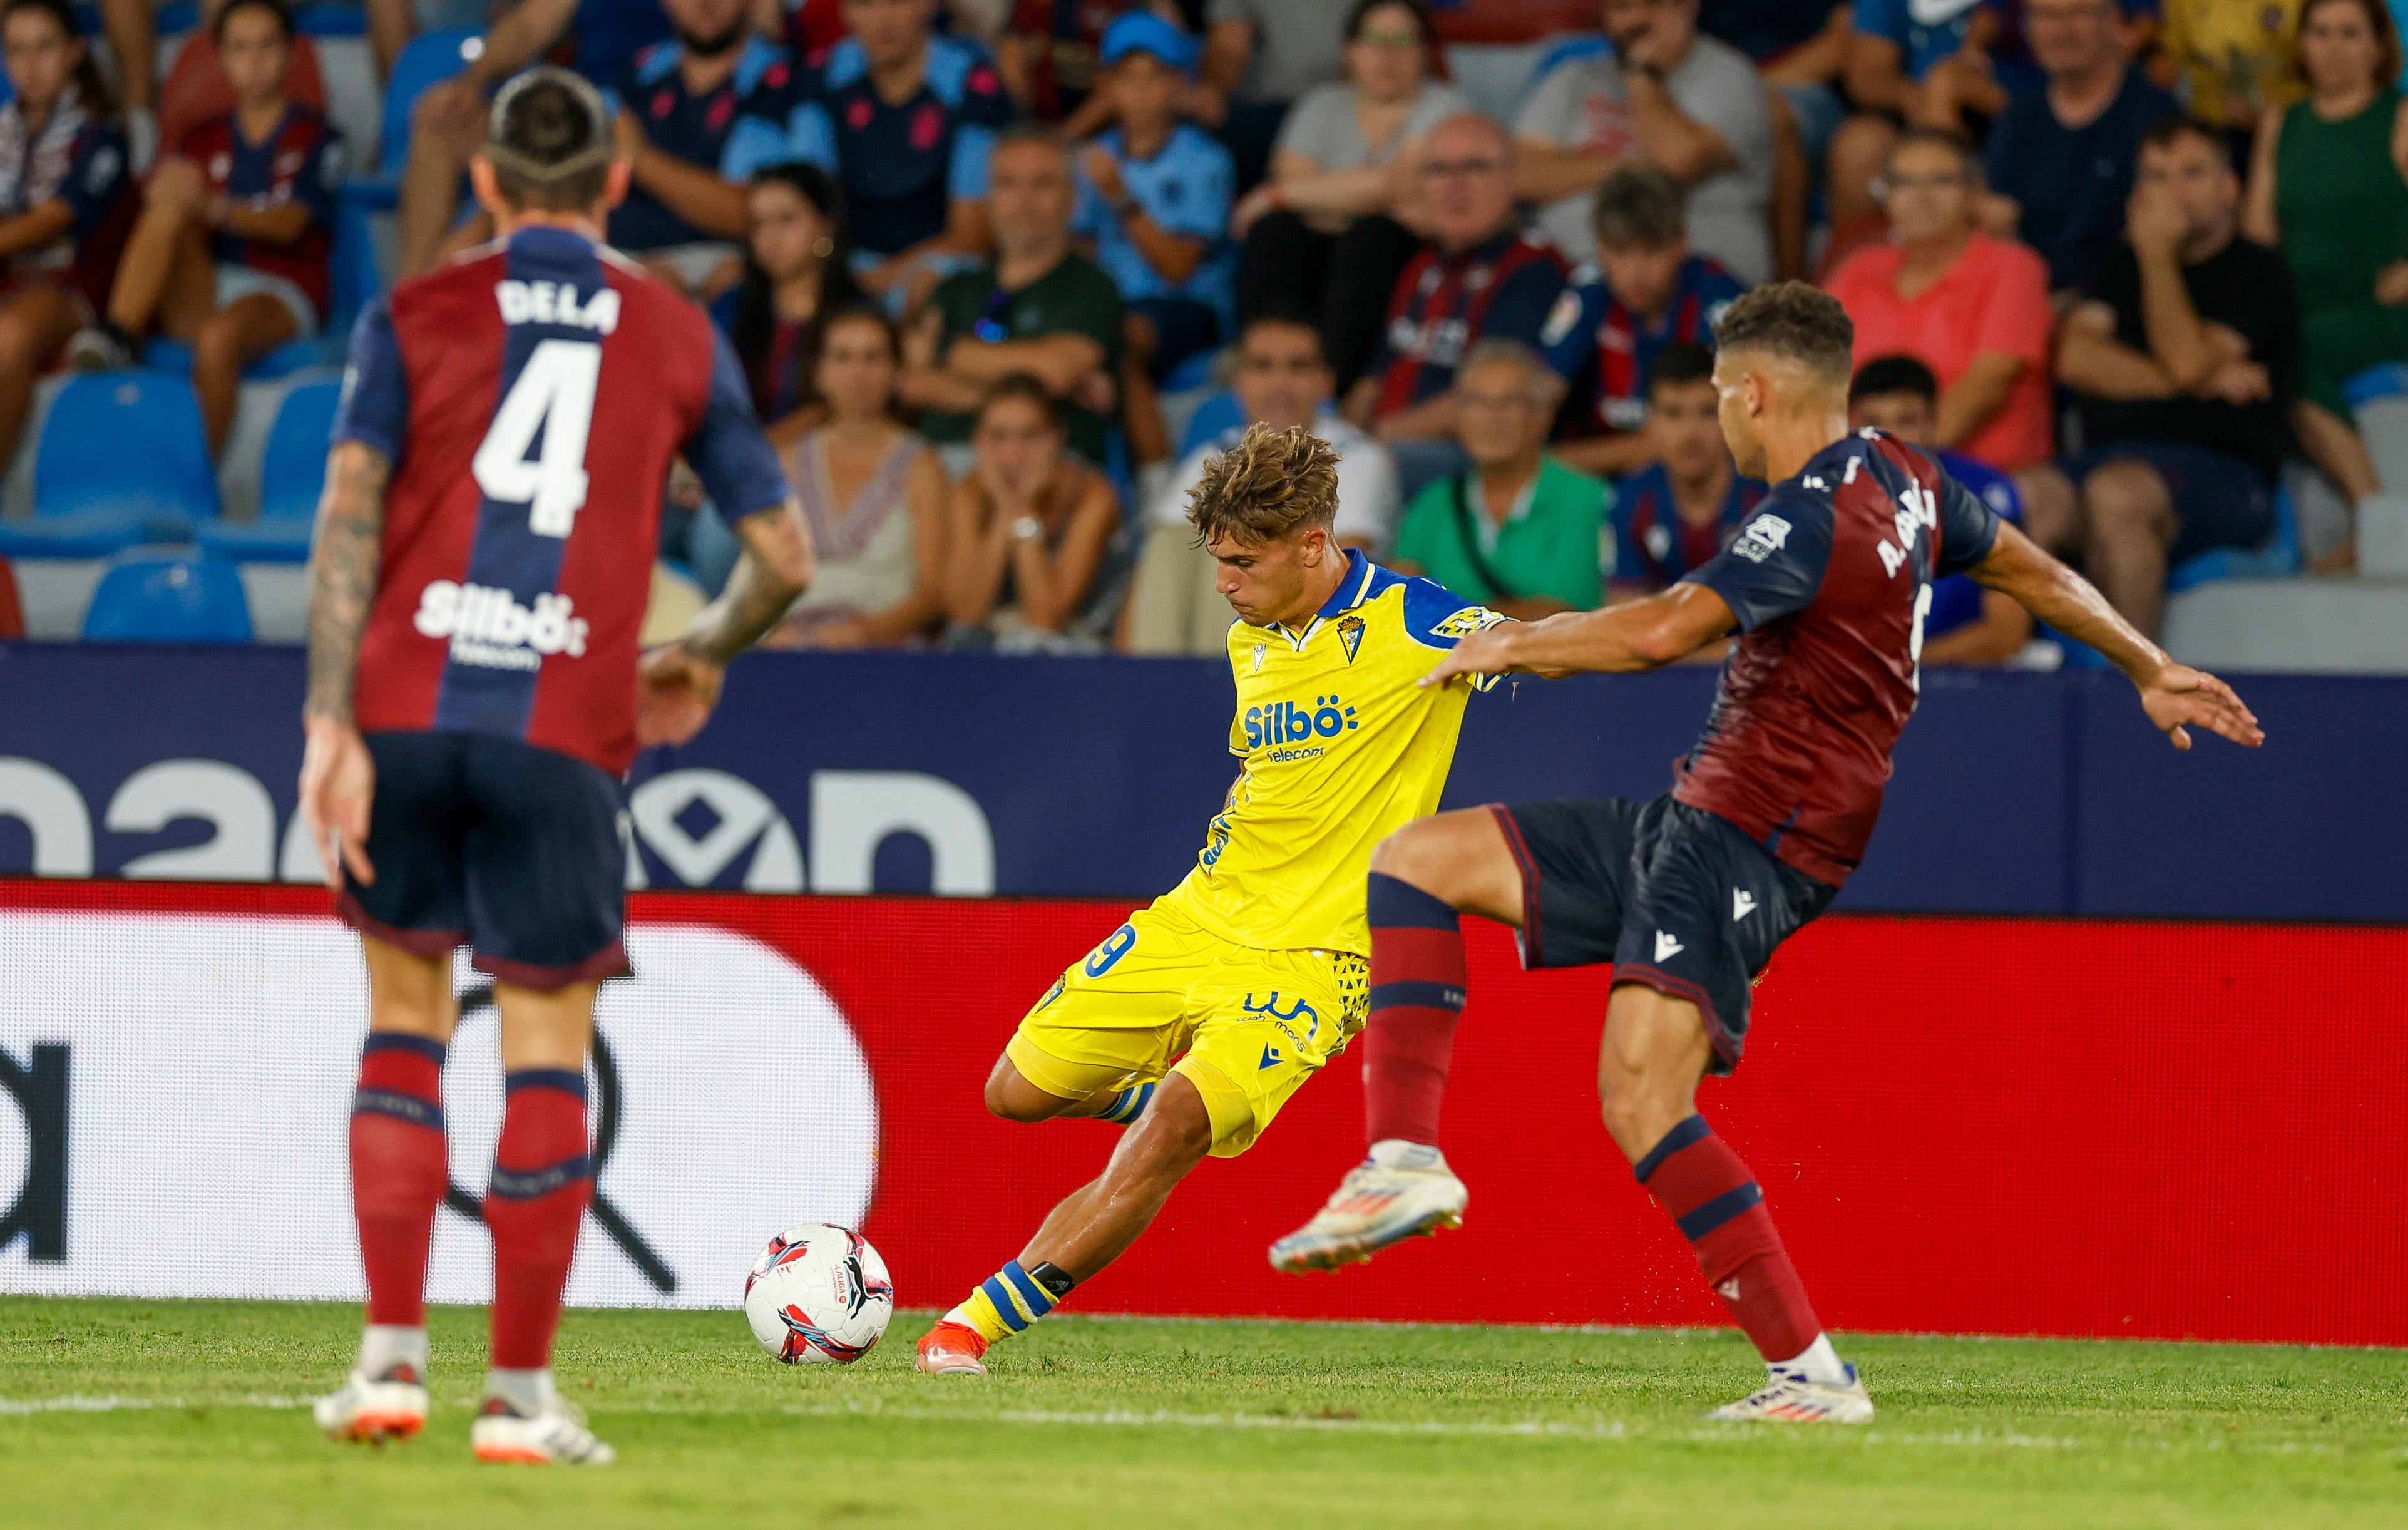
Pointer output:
x,y
1162,995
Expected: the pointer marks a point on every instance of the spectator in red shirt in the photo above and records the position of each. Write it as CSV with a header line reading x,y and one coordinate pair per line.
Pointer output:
x,y
1972,307
229,254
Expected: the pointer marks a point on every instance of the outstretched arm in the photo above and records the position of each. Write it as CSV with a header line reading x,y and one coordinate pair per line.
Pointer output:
x,y
680,681
1648,634
337,777
2176,696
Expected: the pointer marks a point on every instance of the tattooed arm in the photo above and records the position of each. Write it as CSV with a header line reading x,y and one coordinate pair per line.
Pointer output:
x,y
337,777
682,680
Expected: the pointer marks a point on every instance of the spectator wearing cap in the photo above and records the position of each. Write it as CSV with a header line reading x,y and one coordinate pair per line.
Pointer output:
x,y
1051,54
1923,63
1683,505
1153,196
1646,291
1515,530
1966,623
1668,96
1323,235
905,120
1040,308
2183,358
1281,381
2061,156
2329,189
1477,278
1261,59
229,255
1972,307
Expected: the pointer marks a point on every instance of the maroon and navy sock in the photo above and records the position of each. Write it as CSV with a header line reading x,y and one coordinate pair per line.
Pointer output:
x,y
399,1169
1417,993
543,1176
1713,1199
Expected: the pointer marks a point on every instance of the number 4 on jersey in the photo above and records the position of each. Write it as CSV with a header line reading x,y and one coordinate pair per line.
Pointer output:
x,y
553,394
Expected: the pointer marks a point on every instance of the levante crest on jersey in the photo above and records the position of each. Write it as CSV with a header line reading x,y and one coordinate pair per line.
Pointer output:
x,y
1350,636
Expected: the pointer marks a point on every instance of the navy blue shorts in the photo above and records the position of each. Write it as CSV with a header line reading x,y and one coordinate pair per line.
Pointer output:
x,y
2220,500
1181,327
1675,896
508,849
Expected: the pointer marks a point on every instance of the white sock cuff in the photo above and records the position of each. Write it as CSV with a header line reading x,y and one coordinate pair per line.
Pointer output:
x,y
1819,1362
1396,1152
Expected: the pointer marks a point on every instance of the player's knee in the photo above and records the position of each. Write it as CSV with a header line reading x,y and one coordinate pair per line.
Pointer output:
x,y
1174,1133
1417,854
1012,1097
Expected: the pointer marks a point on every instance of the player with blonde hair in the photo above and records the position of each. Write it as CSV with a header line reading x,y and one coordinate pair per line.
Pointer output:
x,y
1194,1023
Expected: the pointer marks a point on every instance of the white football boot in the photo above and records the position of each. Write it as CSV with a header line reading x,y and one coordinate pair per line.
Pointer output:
x,y
1789,1397
554,1435
1413,1195
372,1410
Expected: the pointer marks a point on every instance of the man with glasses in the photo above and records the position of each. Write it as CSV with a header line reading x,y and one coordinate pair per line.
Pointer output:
x,y
1477,278
2061,157
1517,531
1042,308
1972,307
1666,96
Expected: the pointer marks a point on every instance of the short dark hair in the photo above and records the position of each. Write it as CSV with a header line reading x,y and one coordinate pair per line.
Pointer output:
x,y
1027,131
1794,322
1285,318
278,9
2164,136
1020,385
548,138
1423,19
1683,361
1270,483
1894,373
1639,204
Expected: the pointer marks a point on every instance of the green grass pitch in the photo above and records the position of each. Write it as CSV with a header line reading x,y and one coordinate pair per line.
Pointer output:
x,y
173,1413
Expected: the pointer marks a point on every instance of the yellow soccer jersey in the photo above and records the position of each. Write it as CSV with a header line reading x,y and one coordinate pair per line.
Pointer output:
x,y
1341,748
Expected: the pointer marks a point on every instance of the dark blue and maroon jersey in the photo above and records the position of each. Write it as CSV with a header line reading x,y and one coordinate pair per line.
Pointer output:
x,y
903,167
301,162
1957,599
730,131
1830,579
531,396
1444,304
1609,353
1653,546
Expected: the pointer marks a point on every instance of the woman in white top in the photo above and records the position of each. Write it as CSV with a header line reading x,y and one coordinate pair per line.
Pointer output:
x,y
874,496
1326,235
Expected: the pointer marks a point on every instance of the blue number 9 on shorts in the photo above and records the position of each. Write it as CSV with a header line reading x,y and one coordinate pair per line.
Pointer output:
x,y
1111,951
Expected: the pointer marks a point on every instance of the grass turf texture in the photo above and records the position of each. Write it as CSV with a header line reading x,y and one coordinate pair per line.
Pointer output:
x,y
193,1414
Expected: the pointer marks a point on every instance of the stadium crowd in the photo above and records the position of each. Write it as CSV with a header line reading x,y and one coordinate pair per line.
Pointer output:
x,y
1002,273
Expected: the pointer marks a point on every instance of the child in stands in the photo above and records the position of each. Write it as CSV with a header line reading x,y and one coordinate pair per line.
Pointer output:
x,y
231,252
62,176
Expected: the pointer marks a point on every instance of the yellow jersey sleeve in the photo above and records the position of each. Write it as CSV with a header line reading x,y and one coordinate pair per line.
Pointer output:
x,y
1341,748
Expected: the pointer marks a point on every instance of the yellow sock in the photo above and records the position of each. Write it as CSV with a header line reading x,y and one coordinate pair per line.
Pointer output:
x,y
1005,1303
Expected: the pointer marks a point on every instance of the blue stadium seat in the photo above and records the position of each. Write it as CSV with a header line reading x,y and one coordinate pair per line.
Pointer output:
x,y
430,59
1194,372
291,475
2388,380
356,278
2279,558
174,358
171,595
128,445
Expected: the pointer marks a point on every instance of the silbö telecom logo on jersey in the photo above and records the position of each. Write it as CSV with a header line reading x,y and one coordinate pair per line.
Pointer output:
x,y
1284,722
491,630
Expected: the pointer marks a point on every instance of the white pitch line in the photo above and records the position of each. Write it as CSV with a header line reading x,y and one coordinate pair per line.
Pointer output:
x,y
72,1403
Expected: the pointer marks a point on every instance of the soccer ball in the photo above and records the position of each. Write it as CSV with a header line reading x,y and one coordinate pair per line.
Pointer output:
x,y
819,1294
